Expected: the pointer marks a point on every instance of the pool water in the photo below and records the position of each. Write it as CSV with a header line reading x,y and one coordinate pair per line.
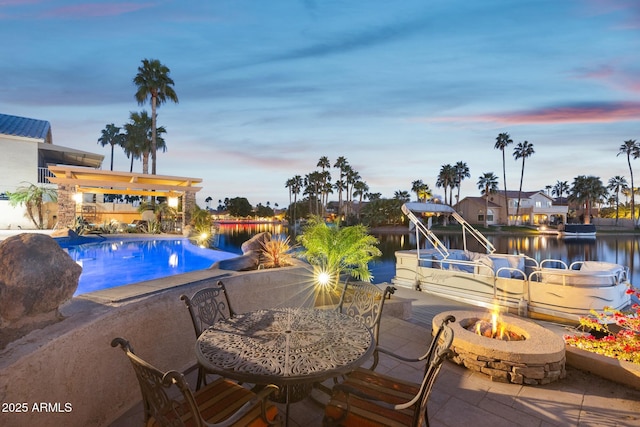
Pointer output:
x,y
113,262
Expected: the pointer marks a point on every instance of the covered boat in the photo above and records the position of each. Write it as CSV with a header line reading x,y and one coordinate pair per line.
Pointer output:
x,y
546,289
577,231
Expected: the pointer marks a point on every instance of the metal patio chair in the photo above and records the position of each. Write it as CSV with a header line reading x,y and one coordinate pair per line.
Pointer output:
x,y
168,400
372,399
206,307
365,301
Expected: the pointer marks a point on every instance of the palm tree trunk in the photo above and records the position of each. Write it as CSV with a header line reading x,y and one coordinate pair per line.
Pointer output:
x,y
504,181
112,145
633,205
520,190
154,145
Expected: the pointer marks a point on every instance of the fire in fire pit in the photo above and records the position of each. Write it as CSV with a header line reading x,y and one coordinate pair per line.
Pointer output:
x,y
494,328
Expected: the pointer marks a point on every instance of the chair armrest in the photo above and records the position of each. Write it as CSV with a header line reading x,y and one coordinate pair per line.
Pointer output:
x,y
349,390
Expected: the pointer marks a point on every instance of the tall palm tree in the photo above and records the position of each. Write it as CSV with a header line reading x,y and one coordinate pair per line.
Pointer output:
x,y
631,148
617,184
153,82
587,190
296,187
446,179
522,151
324,164
462,171
416,187
360,189
487,184
139,135
111,136
560,188
502,142
351,177
341,163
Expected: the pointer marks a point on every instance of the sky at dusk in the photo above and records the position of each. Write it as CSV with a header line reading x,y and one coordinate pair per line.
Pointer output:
x,y
400,88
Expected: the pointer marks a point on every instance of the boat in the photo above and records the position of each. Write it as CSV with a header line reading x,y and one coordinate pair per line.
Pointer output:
x,y
546,289
577,231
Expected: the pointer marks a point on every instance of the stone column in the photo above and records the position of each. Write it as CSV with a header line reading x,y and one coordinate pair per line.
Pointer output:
x,y
188,205
66,205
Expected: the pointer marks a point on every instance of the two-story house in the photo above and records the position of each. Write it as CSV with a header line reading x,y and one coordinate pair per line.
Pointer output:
x,y
27,150
536,208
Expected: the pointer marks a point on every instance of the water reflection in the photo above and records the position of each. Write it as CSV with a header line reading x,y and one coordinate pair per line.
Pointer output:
x,y
621,249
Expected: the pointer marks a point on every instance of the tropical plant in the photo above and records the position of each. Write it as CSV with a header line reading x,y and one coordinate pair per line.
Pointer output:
x,y
110,227
80,226
422,190
617,184
324,164
488,184
138,133
622,344
402,195
341,163
587,190
111,136
335,250
33,197
522,151
152,226
153,82
277,252
461,172
446,179
631,148
560,188
503,140
360,189
295,186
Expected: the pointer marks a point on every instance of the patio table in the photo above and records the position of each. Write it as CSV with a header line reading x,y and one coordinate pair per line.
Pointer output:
x,y
290,347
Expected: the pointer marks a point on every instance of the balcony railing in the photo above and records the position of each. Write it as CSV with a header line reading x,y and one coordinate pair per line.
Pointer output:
x,y
43,176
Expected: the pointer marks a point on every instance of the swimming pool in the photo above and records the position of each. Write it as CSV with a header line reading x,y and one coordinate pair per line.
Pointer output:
x,y
111,262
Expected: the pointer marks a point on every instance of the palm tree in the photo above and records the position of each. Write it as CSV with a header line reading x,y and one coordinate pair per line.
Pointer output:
x,y
617,184
560,188
153,82
446,179
351,176
138,138
502,142
587,190
361,189
462,171
325,164
402,195
522,151
341,163
416,187
631,148
111,136
296,187
488,184
33,197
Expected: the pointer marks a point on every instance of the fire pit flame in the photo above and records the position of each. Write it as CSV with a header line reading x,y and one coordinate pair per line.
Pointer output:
x,y
495,329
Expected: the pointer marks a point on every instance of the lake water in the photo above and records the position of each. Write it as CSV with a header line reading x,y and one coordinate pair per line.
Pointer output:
x,y
621,249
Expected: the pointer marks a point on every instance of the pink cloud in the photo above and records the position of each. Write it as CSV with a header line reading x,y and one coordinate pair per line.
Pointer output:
x,y
96,10
592,113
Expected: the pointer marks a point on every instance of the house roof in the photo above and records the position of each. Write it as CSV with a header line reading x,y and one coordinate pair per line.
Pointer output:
x,y
480,200
24,127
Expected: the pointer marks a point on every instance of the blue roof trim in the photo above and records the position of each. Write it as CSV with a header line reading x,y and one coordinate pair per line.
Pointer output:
x,y
24,127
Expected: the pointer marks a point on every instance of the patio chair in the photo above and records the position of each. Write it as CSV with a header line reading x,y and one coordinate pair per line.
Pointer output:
x,y
206,307
365,301
372,399
168,400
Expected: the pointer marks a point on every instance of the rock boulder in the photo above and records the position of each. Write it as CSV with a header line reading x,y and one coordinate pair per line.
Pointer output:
x,y
36,277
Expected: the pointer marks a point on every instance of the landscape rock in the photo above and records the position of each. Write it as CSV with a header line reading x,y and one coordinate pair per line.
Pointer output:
x,y
255,243
36,277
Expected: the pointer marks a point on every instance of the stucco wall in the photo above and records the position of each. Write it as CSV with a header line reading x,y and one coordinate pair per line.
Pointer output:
x,y
18,163
72,361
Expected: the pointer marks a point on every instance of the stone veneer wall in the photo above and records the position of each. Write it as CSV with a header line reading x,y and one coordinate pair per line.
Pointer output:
x,y
71,362
508,371
66,206
189,203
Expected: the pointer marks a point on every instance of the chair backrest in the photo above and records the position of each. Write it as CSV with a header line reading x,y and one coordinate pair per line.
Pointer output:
x,y
439,350
159,396
365,301
207,306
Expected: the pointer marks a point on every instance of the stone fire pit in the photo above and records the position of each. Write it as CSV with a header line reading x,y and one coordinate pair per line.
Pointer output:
x,y
538,359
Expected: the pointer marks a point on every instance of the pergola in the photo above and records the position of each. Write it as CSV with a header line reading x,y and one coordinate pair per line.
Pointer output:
x,y
73,180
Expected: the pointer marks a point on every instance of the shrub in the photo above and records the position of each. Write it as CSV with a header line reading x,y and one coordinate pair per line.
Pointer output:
x,y
277,252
